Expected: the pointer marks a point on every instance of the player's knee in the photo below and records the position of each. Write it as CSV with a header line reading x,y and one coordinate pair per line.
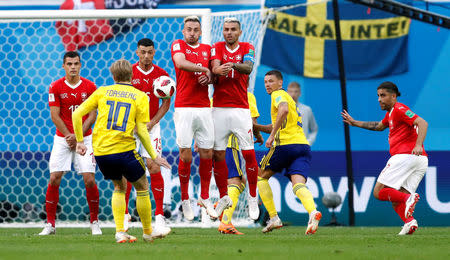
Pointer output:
x,y
219,155
205,153
375,193
186,155
153,168
55,179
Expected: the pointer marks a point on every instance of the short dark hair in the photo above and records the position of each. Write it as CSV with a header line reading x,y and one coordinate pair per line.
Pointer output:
x,y
146,42
389,87
71,54
276,73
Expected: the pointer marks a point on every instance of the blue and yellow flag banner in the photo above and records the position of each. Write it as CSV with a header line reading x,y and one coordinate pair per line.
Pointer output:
x,y
302,41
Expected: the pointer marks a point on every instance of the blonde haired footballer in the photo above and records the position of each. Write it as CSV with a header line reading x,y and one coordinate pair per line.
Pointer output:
x,y
289,150
121,109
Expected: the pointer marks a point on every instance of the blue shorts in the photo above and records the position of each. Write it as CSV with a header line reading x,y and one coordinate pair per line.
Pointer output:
x,y
294,158
234,163
128,164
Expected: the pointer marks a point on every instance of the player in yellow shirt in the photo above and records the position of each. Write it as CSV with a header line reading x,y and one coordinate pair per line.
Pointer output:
x,y
289,150
236,179
121,109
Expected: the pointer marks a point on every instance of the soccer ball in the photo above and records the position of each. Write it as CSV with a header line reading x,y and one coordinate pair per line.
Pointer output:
x,y
331,200
164,87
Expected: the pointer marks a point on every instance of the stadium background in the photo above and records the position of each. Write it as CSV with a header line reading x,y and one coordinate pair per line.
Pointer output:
x,y
425,88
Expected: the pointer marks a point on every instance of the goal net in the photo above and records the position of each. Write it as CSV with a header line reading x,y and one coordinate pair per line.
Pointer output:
x,y
33,43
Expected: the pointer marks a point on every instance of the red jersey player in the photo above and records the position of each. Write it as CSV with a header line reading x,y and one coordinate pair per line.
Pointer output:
x,y
232,62
144,73
192,117
65,95
405,169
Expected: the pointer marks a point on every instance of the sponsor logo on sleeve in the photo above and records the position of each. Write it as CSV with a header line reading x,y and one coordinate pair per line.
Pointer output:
x,y
213,51
176,47
410,114
51,97
278,99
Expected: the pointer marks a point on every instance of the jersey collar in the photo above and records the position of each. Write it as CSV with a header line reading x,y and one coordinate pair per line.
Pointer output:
x,y
232,51
193,46
145,72
72,86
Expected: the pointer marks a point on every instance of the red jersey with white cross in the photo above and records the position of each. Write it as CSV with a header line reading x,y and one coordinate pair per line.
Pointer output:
x,y
143,80
68,97
190,93
402,132
231,90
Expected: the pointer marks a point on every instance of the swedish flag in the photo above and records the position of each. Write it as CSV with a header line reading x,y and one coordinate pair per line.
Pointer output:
x,y
302,41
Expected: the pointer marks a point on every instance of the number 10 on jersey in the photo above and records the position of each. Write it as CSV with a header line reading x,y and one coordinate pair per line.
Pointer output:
x,y
113,115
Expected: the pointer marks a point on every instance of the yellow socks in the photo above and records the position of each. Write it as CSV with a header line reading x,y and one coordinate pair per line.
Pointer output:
x,y
144,209
305,196
118,209
233,192
265,192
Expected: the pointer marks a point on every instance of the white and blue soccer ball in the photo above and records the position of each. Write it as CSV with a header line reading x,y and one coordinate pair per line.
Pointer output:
x,y
164,87
331,199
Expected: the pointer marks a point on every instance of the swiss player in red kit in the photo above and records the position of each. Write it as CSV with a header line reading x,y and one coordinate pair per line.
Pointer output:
x,y
65,95
144,73
192,116
405,169
232,61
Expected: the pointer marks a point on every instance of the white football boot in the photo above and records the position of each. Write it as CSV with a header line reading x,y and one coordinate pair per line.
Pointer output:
x,y
253,209
411,204
409,228
206,203
187,210
160,229
224,203
123,237
273,223
95,228
48,230
313,223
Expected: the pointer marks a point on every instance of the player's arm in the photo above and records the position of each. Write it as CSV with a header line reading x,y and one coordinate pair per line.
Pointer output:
x,y
313,129
422,126
373,125
165,105
262,128
89,121
183,64
219,69
257,133
77,120
59,123
244,68
144,136
283,111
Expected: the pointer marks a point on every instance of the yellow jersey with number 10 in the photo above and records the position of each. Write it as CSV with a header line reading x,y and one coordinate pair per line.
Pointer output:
x,y
291,131
120,107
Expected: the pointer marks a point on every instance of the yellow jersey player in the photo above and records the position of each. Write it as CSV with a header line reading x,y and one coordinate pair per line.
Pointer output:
x,y
289,150
236,179
121,109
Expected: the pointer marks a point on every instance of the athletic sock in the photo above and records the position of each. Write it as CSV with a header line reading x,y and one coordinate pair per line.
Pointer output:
x,y
392,195
144,209
118,209
221,176
92,197
157,183
265,192
127,196
184,173
251,167
233,191
400,209
51,203
205,170
305,196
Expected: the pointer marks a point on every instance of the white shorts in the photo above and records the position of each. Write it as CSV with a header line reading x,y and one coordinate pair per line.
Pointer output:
x,y
194,123
155,137
237,121
61,157
404,170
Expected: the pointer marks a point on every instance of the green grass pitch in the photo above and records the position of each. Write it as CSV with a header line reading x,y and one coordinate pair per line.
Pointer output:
x,y
196,243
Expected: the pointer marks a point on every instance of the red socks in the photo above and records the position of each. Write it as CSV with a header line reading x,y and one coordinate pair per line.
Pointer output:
x,y
400,209
205,170
157,184
221,177
127,196
184,172
392,195
51,203
252,170
92,197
